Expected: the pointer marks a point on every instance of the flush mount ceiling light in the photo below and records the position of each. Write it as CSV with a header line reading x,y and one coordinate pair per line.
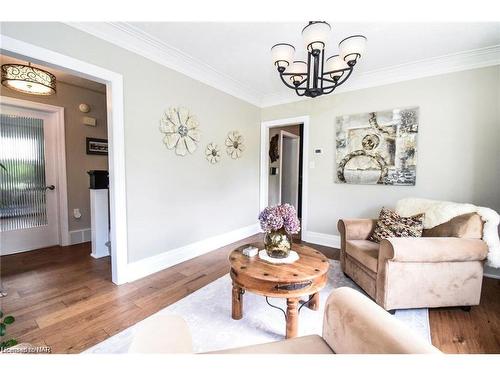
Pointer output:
x,y
317,76
28,79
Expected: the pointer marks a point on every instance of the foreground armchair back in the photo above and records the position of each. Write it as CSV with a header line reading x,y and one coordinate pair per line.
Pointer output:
x,y
352,324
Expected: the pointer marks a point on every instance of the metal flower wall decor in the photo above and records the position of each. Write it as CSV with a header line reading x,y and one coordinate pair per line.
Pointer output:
x,y
181,130
212,153
234,144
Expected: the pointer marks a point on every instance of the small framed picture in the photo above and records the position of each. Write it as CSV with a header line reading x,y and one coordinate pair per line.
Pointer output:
x,y
97,146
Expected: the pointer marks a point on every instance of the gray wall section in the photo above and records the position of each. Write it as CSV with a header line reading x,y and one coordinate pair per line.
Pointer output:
x,y
458,152
77,160
172,201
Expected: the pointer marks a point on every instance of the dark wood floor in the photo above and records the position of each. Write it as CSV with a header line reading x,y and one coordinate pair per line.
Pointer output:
x,y
64,298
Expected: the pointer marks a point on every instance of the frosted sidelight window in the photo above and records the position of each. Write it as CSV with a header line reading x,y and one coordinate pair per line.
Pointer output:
x,y
22,173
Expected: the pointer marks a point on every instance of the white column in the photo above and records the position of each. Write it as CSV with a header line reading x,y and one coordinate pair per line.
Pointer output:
x,y
99,217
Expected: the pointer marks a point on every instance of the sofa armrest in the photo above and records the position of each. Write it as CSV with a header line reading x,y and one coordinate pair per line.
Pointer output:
x,y
354,324
432,249
167,334
356,229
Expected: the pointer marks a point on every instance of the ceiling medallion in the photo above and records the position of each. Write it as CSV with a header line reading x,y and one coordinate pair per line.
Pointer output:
x,y
317,76
28,79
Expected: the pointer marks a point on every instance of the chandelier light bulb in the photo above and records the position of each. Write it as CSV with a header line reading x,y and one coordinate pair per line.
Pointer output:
x,y
282,55
333,63
352,48
316,35
299,70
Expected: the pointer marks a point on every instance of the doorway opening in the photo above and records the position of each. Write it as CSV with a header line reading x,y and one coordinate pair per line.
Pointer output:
x,y
49,193
112,83
283,166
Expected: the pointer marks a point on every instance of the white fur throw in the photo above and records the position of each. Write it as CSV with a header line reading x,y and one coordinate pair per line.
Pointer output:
x,y
438,212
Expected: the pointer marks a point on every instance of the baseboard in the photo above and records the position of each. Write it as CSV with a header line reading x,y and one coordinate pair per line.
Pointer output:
x,y
79,236
323,239
491,272
148,266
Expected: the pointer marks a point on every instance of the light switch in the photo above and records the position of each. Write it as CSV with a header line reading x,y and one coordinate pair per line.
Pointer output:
x,y
312,165
90,121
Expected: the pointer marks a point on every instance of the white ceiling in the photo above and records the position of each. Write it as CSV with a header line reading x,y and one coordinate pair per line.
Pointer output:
x,y
61,76
235,57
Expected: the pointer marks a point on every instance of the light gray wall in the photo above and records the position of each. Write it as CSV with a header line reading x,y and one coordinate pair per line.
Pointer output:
x,y
458,144
171,201
77,160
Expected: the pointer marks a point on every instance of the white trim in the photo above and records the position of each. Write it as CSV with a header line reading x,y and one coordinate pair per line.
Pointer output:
x,y
491,272
264,161
491,275
145,267
324,239
79,236
465,60
116,136
57,114
133,39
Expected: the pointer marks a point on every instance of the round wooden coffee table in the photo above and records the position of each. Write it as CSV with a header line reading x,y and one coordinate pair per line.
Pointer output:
x,y
306,277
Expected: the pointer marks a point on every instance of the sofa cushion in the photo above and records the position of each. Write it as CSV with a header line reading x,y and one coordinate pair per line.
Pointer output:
x,y
312,344
463,226
365,252
390,224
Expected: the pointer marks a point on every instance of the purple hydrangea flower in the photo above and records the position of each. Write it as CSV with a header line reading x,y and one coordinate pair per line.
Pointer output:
x,y
282,216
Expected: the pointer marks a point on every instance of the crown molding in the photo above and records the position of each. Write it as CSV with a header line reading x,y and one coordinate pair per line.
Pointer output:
x,y
456,62
135,40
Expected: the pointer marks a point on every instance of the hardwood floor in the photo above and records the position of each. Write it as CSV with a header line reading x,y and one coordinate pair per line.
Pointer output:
x,y
64,298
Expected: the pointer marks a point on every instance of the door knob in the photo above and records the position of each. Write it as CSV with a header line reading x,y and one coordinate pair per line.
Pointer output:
x,y
50,187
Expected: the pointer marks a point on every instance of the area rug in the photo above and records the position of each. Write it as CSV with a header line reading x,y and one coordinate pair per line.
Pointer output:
x,y
208,314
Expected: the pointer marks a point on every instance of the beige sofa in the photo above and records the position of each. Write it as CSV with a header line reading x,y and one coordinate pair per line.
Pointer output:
x,y
352,323
442,268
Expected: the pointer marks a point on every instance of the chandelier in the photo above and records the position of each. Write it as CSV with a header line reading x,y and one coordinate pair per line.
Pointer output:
x,y
317,76
28,79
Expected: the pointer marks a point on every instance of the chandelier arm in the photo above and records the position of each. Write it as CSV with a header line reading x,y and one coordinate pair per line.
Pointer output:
x,y
338,70
341,81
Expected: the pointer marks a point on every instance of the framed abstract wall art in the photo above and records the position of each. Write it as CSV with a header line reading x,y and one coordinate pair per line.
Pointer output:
x,y
377,147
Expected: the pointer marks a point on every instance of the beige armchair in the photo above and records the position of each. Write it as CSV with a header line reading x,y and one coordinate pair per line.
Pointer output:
x,y
444,267
352,324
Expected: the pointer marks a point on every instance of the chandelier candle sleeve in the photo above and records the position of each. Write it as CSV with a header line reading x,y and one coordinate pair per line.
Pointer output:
x,y
319,75
352,48
316,35
282,55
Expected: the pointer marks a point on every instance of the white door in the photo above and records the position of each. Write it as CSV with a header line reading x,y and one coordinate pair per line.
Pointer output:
x,y
290,156
28,171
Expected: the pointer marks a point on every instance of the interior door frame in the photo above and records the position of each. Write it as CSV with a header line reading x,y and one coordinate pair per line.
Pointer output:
x,y
285,134
116,137
56,115
264,162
